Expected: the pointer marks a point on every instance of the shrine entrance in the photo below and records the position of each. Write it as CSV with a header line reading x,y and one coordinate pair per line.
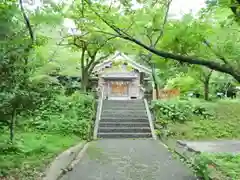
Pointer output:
x,y
118,89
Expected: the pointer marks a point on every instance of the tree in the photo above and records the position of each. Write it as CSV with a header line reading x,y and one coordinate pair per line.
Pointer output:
x,y
204,76
15,46
233,5
154,33
94,47
18,41
123,33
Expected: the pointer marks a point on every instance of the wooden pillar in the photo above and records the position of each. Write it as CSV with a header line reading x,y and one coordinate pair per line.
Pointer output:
x,y
108,88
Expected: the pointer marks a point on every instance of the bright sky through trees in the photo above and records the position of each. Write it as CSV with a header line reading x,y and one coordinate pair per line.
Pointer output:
x,y
177,9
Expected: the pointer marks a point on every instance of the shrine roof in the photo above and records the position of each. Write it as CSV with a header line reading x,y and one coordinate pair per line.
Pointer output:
x,y
118,56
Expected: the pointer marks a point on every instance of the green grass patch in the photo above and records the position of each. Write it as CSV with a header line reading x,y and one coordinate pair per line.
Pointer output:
x,y
31,152
41,134
228,164
222,124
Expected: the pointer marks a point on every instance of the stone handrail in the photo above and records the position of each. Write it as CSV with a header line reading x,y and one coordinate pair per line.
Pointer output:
x,y
150,119
99,112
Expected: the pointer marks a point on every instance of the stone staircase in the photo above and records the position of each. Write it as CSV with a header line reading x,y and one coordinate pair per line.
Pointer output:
x,y
124,119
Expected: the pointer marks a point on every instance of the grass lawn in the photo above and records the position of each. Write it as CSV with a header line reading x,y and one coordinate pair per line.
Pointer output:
x,y
225,123
31,153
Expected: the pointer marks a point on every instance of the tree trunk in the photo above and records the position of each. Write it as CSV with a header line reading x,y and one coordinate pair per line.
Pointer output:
x,y
154,81
12,125
206,85
84,81
206,90
83,87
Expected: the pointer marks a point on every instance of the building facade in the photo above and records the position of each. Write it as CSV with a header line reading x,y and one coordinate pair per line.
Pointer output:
x,y
119,77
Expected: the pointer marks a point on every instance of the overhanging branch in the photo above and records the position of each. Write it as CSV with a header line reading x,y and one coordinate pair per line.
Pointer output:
x,y
164,23
212,64
216,53
94,63
27,22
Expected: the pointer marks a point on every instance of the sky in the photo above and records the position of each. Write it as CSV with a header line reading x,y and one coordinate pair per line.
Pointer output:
x,y
177,9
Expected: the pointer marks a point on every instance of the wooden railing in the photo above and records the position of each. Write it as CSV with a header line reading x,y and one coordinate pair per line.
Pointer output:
x,y
166,93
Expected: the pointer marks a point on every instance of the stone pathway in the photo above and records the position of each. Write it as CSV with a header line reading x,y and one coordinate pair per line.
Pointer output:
x,y
217,146
128,159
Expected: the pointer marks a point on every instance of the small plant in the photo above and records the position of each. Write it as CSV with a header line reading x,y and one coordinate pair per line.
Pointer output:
x,y
177,111
201,111
172,110
202,163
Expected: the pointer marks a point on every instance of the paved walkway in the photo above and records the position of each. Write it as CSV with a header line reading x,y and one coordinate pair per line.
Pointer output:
x,y
217,146
128,159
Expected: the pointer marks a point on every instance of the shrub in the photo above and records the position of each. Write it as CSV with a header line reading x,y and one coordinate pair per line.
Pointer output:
x,y
65,115
177,111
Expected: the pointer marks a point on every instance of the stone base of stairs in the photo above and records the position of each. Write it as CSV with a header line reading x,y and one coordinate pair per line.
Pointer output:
x,y
124,135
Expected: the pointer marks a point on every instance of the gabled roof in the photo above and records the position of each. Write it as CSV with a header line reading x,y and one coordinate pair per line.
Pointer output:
x,y
118,56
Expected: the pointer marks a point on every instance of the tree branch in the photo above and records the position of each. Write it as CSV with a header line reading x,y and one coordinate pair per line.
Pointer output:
x,y
183,59
164,23
210,64
105,42
234,8
216,54
94,63
93,56
27,22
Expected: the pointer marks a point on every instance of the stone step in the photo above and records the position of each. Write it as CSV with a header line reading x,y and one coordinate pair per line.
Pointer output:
x,y
124,124
122,119
123,111
124,115
124,135
123,101
124,105
124,130
129,117
123,108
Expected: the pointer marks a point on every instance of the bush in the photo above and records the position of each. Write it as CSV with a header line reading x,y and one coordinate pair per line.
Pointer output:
x,y
65,115
177,111
205,120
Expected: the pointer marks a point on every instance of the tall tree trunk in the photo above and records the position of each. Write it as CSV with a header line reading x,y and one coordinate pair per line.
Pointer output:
x,y
12,124
83,87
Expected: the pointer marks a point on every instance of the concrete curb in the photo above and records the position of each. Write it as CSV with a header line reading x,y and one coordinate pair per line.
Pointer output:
x,y
213,168
154,136
189,154
64,162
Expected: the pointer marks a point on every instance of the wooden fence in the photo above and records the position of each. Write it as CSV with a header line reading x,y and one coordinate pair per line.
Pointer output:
x,y
166,93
